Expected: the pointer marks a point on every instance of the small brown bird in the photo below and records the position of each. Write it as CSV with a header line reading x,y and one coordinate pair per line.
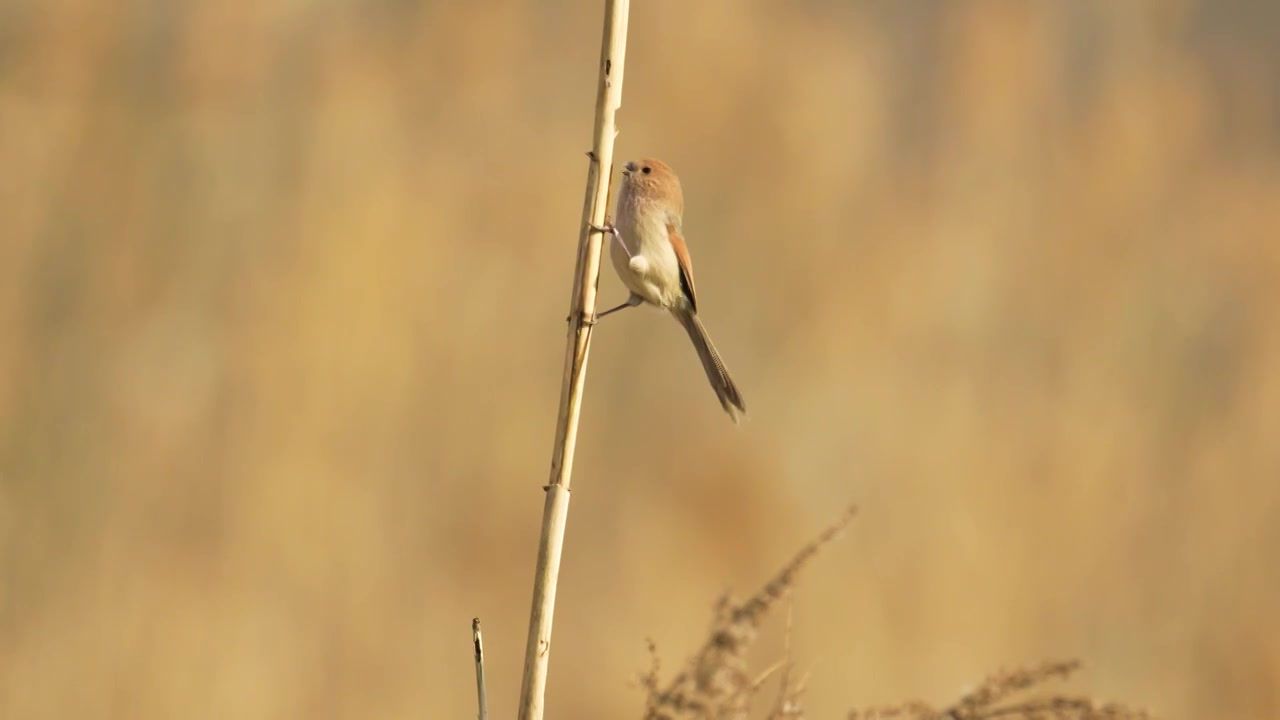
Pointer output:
x,y
650,255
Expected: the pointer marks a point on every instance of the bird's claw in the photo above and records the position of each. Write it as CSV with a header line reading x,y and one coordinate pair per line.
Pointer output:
x,y
586,321
608,228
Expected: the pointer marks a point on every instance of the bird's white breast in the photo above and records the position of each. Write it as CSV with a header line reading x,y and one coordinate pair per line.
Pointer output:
x,y
644,258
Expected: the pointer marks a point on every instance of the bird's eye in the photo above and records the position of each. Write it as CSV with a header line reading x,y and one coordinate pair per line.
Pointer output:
x,y
647,170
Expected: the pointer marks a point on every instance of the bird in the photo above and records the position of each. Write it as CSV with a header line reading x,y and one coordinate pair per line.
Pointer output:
x,y
651,258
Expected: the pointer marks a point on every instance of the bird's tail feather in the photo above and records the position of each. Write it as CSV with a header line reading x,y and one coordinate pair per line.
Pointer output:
x,y
726,391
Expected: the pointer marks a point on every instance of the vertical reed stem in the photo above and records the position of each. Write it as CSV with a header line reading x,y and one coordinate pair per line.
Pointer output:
x,y
582,308
481,692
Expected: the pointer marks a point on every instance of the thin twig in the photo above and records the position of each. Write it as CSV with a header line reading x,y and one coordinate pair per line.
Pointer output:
x,y
582,307
784,686
481,692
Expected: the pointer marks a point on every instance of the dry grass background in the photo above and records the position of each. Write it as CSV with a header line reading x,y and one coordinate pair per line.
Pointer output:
x,y
282,289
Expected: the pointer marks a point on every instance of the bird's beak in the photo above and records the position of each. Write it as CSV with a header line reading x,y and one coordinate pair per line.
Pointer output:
x,y
628,168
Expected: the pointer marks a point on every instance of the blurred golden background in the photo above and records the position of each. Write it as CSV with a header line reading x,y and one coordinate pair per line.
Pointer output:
x,y
282,326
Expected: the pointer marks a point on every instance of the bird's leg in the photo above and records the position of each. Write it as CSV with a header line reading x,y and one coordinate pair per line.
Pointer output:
x,y
611,229
587,321
608,228
631,302
638,263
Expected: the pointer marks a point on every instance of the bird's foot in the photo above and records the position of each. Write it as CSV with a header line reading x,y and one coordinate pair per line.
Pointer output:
x,y
608,228
587,320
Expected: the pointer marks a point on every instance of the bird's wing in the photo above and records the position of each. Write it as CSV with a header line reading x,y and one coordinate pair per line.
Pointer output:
x,y
686,265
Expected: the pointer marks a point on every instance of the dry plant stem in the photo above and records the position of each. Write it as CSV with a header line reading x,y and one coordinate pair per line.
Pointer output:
x,y
716,684
481,692
582,308
989,701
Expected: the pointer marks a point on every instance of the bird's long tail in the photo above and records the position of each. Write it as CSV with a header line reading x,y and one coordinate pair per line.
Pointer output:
x,y
726,391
